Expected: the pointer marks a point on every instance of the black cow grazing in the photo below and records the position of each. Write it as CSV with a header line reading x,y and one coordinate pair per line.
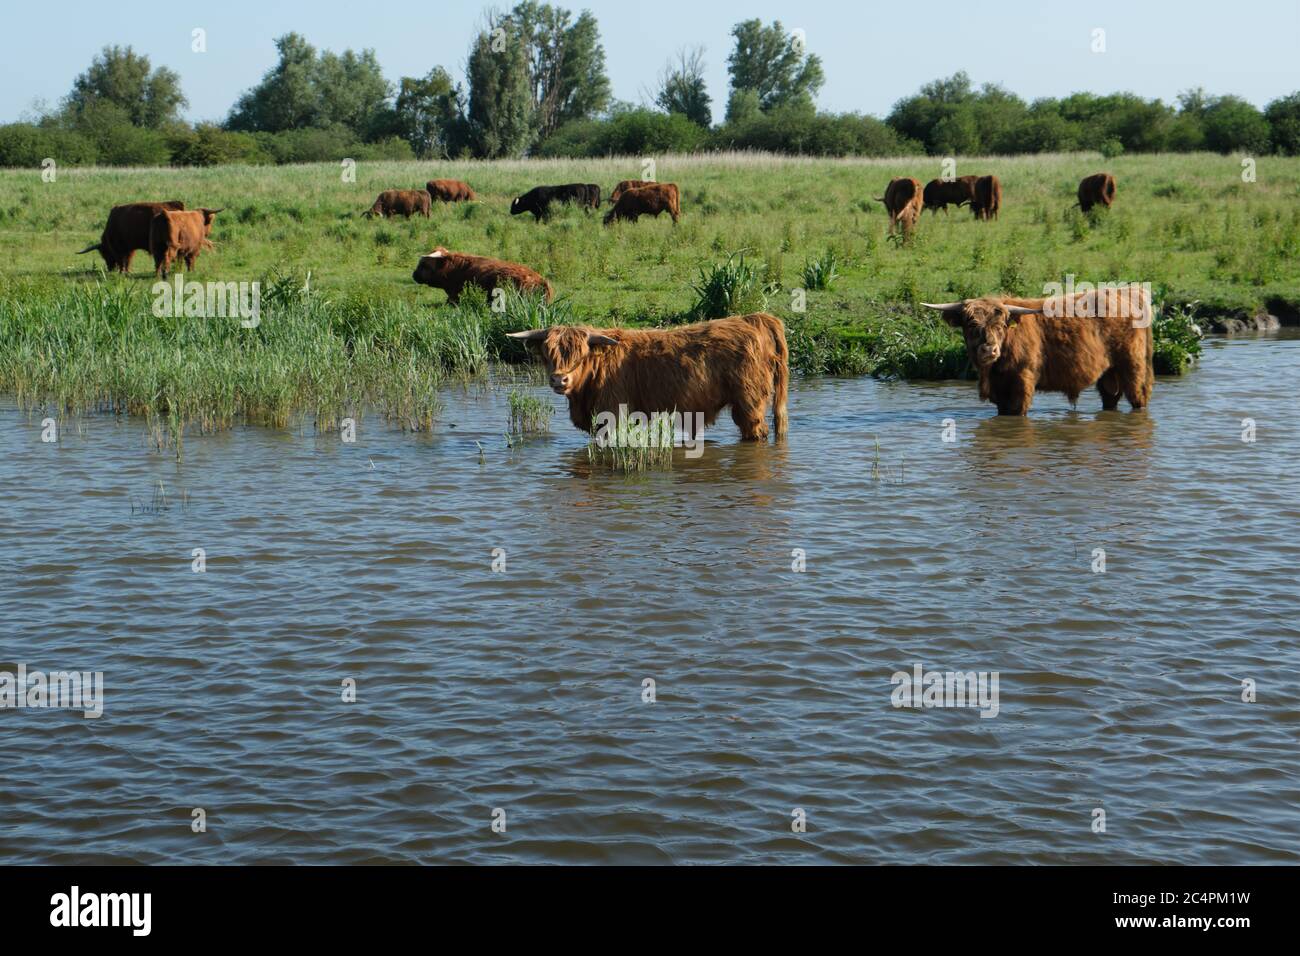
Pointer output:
x,y
538,199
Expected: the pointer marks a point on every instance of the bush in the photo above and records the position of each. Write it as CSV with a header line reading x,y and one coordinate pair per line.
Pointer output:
x,y
22,144
734,287
210,145
631,133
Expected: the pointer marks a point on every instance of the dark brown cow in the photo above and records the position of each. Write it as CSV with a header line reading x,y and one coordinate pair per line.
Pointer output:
x,y
1096,190
400,202
179,235
126,231
450,190
627,184
648,200
941,193
694,370
988,198
452,271
903,199
1060,344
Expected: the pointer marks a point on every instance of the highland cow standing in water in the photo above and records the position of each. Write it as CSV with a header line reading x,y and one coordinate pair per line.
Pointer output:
x,y
1060,344
694,371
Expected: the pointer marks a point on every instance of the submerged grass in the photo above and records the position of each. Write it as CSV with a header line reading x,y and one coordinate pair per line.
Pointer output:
x,y
633,446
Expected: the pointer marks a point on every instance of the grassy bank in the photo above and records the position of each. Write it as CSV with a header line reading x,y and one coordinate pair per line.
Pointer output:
x,y
365,333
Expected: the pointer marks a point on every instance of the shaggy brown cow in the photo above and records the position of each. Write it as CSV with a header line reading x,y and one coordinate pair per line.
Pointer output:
x,y
627,184
648,200
940,193
400,202
1096,190
694,370
179,235
903,198
452,271
450,190
126,231
1061,344
988,198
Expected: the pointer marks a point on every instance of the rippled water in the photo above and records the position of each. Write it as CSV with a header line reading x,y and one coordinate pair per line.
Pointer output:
x,y
522,689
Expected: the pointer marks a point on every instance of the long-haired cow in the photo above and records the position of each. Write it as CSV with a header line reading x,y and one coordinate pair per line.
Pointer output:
x,y
649,200
627,184
450,190
941,193
1062,344
988,197
903,199
179,235
452,271
694,371
1096,190
126,231
400,202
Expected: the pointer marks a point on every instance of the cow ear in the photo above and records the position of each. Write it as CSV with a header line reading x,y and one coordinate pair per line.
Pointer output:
x,y
532,335
954,313
595,338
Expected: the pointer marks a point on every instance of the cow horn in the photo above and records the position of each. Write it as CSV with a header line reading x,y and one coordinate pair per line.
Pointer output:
x,y
90,248
945,307
1021,310
595,338
532,335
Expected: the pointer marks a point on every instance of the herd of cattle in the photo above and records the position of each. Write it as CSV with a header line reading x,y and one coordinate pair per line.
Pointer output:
x,y
905,200
1017,346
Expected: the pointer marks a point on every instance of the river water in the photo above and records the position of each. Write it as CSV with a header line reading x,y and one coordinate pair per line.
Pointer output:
x,y
520,694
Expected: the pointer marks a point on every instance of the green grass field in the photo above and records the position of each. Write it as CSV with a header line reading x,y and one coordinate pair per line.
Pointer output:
x,y
71,336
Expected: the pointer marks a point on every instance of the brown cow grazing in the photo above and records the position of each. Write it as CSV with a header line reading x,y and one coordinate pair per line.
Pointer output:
x,y
1096,190
126,231
649,200
988,198
450,190
627,184
179,235
693,370
903,199
452,271
400,202
1061,344
940,193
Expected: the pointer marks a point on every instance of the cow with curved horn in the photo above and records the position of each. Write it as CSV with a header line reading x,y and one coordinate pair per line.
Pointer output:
x,y
693,370
1064,344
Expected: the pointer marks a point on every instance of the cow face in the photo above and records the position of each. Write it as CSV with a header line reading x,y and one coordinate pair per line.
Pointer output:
x,y
984,324
567,353
208,216
515,208
432,266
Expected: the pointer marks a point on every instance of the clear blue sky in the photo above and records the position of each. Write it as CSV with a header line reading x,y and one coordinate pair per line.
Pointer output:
x,y
872,55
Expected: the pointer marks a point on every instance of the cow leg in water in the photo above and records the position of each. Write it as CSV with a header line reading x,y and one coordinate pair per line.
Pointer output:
x,y
1014,396
750,420
1108,388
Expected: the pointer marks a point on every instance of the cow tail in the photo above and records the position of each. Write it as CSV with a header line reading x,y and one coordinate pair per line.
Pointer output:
x,y
780,378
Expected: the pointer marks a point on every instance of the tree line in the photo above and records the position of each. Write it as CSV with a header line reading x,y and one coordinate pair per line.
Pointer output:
x,y
535,85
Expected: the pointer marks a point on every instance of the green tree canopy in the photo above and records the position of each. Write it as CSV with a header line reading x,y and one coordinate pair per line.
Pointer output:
x,y
305,89
682,89
774,64
120,77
